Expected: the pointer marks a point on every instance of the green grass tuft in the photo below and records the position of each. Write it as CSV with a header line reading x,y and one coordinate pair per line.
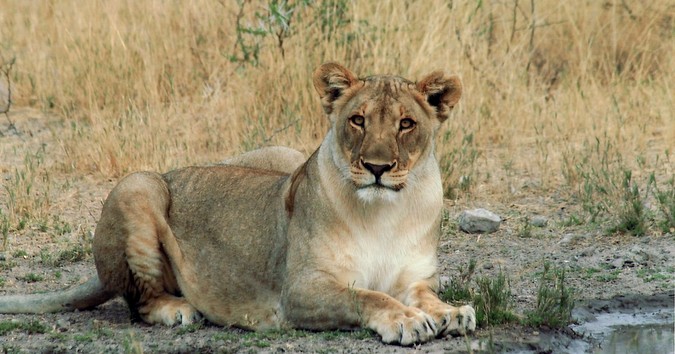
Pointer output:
x,y
191,328
491,296
493,304
74,254
666,203
32,278
31,327
555,300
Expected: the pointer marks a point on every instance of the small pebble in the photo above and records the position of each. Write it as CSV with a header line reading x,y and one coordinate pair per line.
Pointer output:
x,y
539,221
567,238
618,263
62,325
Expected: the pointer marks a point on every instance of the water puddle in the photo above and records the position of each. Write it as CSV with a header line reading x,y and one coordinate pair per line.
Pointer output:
x,y
614,333
628,324
625,324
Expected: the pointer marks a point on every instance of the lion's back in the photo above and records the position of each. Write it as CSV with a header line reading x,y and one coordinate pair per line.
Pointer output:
x,y
211,203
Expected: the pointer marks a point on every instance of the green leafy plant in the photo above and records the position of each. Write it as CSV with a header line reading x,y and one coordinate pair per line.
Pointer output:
x,y
458,165
555,300
459,288
525,229
28,327
191,328
131,344
32,278
608,190
4,228
491,296
20,254
274,21
74,254
494,300
665,199
631,215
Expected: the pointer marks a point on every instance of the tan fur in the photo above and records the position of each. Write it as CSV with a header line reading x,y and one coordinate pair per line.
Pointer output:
x,y
277,158
348,239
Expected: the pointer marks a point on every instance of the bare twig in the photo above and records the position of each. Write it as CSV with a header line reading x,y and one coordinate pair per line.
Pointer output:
x,y
542,24
531,45
534,23
5,69
628,10
513,25
475,67
239,42
279,130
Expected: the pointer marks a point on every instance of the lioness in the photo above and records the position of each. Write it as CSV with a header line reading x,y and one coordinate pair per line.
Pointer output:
x,y
348,239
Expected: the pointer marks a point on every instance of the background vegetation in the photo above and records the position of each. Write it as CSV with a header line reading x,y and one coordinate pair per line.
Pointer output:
x,y
572,97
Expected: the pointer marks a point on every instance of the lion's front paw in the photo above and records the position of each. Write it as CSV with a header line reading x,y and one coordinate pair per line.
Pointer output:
x,y
187,314
455,320
406,328
170,310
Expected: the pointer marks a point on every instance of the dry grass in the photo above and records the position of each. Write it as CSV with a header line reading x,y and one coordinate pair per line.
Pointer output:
x,y
156,85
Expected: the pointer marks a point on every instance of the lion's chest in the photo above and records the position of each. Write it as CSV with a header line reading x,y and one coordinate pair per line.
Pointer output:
x,y
385,252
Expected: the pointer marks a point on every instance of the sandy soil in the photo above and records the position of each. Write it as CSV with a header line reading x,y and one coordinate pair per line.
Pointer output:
x,y
598,267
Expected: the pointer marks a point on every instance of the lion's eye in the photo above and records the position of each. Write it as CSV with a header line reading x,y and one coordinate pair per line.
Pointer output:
x,y
406,124
357,120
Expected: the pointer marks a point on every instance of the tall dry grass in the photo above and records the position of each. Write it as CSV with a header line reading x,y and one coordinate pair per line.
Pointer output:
x,y
160,84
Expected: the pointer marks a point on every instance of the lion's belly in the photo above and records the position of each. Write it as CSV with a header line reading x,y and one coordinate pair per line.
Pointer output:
x,y
231,244
244,294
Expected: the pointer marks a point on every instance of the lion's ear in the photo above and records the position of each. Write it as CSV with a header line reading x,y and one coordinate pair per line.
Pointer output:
x,y
442,92
330,80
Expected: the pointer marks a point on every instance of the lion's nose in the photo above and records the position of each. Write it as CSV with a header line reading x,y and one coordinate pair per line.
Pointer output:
x,y
378,170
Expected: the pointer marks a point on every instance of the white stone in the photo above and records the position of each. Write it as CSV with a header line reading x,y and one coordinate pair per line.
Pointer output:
x,y
539,221
479,221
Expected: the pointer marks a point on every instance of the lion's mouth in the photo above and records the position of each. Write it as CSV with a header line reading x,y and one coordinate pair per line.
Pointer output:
x,y
377,185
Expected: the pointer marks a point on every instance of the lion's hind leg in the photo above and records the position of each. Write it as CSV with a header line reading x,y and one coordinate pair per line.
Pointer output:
x,y
154,282
136,212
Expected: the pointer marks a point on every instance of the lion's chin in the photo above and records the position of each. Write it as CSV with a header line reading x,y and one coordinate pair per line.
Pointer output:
x,y
377,192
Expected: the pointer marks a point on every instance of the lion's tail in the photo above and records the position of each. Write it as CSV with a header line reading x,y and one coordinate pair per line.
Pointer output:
x,y
80,297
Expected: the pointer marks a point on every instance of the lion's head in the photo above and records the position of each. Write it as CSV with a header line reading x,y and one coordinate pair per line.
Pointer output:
x,y
383,125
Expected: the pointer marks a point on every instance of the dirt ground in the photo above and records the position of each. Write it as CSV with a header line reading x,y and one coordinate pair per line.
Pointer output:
x,y
599,267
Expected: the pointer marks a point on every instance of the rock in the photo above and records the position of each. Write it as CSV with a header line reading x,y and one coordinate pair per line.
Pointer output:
x,y
62,325
587,252
618,263
567,239
479,221
539,221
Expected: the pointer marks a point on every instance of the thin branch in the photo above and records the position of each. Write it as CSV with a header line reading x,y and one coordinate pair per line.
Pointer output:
x,y
534,23
630,12
531,44
513,25
544,24
5,69
279,130
475,67
239,42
